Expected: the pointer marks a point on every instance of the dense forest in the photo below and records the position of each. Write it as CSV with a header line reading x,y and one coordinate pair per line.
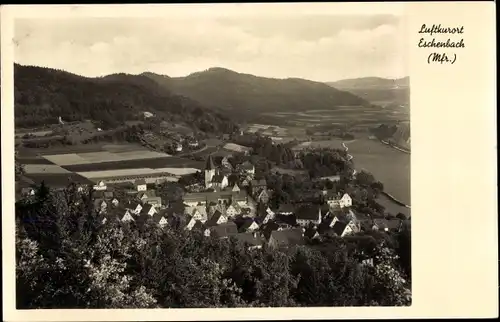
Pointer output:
x,y
43,94
248,95
66,258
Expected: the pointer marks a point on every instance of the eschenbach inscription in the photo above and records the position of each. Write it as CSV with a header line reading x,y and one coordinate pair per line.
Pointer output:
x,y
451,40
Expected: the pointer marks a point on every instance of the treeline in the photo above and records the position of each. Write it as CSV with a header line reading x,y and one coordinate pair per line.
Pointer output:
x,y
66,258
318,162
42,95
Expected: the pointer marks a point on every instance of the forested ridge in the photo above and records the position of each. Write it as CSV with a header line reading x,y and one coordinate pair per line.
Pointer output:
x,y
66,258
248,95
43,94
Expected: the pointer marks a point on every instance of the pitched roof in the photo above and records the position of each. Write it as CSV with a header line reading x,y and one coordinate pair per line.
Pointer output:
x,y
339,227
288,237
310,232
246,223
210,163
214,218
250,238
225,229
140,182
146,208
247,166
285,208
268,228
218,178
307,212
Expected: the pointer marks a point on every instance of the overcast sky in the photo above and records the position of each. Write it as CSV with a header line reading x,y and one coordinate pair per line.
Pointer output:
x,y
316,47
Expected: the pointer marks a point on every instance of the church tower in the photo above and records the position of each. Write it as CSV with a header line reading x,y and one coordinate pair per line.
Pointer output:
x,y
209,172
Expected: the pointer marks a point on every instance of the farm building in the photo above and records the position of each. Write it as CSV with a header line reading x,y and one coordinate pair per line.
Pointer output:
x,y
111,178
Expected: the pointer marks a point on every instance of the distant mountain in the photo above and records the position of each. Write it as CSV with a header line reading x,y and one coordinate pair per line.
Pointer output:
x,y
245,94
379,91
44,94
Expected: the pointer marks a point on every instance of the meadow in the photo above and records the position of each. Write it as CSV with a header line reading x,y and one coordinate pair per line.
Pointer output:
x,y
55,165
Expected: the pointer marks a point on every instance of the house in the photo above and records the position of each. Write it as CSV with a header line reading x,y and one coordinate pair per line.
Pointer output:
x,y
335,201
219,181
235,188
195,199
246,182
225,163
392,225
155,201
27,191
145,194
140,185
224,230
216,219
100,186
285,209
178,147
190,222
342,228
256,185
247,168
197,212
233,210
311,233
306,215
159,218
100,205
127,217
115,202
286,237
148,209
134,207
248,225
263,196
251,240
264,215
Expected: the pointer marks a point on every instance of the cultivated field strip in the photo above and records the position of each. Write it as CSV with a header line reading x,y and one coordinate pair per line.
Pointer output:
x,y
171,162
44,169
102,156
135,172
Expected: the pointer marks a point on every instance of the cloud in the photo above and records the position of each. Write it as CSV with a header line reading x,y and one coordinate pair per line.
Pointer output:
x,y
318,47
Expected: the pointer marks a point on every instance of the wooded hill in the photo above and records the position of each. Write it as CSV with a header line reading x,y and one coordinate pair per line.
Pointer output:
x,y
43,94
247,95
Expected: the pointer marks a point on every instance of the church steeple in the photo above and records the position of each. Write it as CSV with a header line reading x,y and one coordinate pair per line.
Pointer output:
x,y
210,163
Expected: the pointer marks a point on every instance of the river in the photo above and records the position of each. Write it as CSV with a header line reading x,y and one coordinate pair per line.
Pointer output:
x,y
388,165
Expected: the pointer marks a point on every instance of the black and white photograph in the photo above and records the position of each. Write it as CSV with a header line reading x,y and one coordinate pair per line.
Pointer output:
x,y
212,161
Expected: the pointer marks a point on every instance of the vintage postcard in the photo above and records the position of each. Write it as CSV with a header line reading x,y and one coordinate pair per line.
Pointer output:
x,y
249,161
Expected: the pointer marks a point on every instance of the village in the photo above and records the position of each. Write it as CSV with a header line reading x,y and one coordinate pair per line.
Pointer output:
x,y
230,202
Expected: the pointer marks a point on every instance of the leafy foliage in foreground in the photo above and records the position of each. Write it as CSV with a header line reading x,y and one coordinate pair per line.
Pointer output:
x,y
67,259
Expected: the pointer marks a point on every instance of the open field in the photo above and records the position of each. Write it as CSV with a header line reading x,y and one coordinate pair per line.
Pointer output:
x,y
44,169
92,175
172,162
33,160
339,115
102,156
80,148
58,179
